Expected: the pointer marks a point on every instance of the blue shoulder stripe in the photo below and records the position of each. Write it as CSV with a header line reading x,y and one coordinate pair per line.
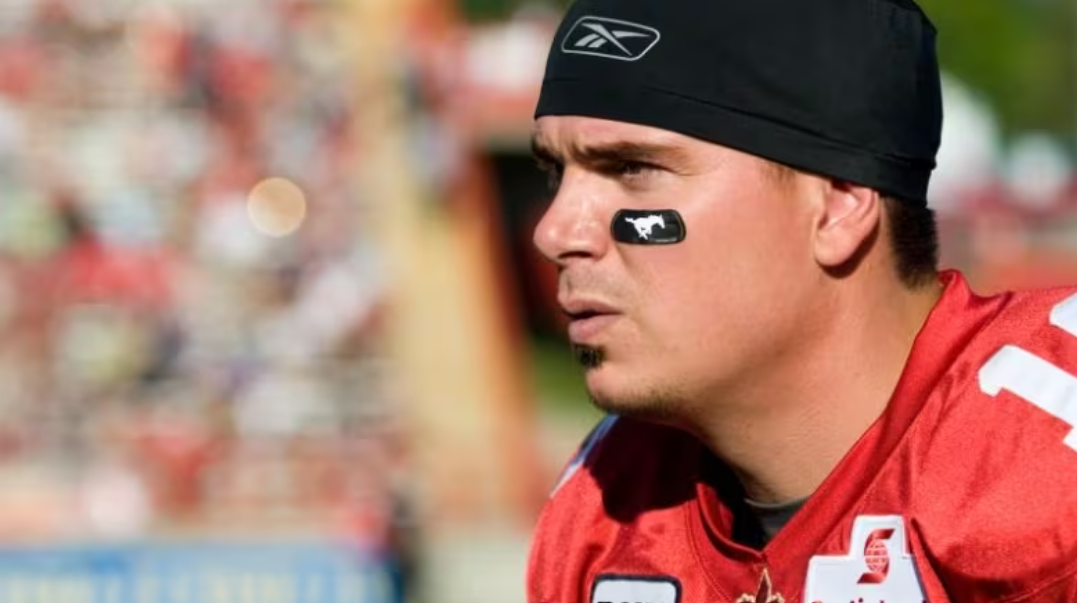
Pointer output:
x,y
597,434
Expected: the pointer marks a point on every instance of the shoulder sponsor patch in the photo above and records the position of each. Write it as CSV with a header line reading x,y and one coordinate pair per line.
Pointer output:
x,y
629,588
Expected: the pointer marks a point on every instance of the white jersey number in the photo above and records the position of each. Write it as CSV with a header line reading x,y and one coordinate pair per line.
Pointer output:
x,y
1039,382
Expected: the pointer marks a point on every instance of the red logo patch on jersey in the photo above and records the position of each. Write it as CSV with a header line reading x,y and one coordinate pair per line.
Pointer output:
x,y
877,557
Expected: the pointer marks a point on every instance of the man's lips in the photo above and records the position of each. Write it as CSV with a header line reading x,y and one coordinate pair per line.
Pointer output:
x,y
587,317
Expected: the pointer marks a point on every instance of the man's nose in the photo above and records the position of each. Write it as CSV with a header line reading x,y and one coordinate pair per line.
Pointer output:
x,y
575,225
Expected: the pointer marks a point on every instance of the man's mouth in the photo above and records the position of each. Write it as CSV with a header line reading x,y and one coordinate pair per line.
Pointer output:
x,y
587,318
583,315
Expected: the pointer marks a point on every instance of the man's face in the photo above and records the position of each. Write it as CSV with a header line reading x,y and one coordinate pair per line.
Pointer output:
x,y
668,328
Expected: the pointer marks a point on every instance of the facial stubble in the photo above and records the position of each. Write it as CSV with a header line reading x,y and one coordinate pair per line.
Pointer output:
x,y
654,406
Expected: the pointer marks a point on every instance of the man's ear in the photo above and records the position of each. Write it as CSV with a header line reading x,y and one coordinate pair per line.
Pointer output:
x,y
848,219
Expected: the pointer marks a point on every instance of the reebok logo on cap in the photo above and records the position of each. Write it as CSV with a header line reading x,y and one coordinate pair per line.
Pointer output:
x,y
610,38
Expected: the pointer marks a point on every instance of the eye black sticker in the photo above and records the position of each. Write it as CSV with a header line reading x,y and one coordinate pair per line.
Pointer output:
x,y
648,227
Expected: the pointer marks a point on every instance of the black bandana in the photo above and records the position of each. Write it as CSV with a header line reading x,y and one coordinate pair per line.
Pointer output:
x,y
844,88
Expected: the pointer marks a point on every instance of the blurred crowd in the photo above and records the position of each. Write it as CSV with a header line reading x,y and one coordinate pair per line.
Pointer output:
x,y
170,363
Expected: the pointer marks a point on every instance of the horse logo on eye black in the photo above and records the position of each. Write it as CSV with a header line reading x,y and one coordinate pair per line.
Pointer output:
x,y
661,227
645,225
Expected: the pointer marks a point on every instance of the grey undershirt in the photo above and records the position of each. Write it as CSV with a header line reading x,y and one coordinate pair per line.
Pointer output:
x,y
772,517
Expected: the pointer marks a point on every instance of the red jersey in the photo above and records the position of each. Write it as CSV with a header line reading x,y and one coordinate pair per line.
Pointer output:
x,y
965,489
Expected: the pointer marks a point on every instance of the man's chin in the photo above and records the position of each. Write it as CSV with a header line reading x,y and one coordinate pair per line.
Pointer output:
x,y
610,393
607,391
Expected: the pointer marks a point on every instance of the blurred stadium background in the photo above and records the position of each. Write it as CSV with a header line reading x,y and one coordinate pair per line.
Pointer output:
x,y
272,329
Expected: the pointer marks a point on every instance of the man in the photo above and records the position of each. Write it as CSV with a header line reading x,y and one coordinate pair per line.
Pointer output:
x,y
802,408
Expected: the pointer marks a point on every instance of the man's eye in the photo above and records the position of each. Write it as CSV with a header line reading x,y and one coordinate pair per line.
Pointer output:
x,y
628,168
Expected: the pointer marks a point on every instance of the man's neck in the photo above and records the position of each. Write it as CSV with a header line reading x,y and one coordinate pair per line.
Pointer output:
x,y
794,423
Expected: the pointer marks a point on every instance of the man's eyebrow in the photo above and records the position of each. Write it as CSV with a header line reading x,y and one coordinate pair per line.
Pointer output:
x,y
627,151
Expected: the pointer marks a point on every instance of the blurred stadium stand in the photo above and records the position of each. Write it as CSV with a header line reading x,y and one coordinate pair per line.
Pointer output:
x,y
173,370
